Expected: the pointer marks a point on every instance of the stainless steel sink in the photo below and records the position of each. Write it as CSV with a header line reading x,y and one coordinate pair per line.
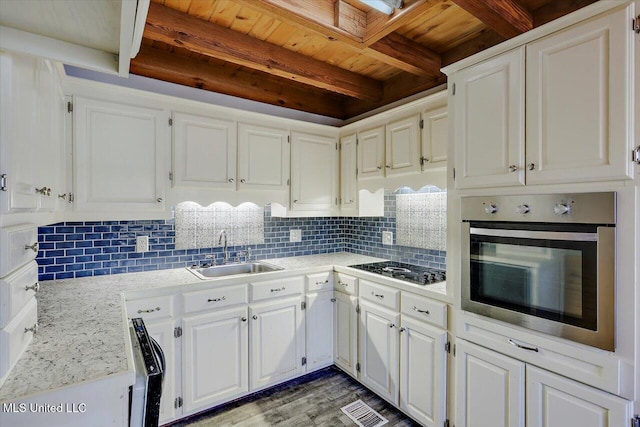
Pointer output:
x,y
233,269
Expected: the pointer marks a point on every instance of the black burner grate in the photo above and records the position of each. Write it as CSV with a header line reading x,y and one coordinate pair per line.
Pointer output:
x,y
407,272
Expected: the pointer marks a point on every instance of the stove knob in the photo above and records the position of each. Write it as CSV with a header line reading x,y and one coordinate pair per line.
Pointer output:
x,y
523,209
562,209
491,209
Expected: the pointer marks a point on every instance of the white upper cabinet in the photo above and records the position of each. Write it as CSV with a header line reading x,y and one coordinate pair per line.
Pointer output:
x,y
348,175
314,172
119,157
204,151
578,99
371,153
489,122
403,146
435,139
579,96
263,157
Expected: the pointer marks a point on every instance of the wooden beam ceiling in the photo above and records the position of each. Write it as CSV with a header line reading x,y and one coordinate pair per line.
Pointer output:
x,y
182,30
214,76
507,17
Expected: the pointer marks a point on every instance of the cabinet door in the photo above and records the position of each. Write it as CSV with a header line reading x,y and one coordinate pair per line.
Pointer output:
x,y
379,344
18,137
263,157
314,174
215,358
348,175
555,401
204,151
345,335
319,330
435,138
423,368
403,146
277,342
489,388
371,153
162,332
119,157
489,117
579,90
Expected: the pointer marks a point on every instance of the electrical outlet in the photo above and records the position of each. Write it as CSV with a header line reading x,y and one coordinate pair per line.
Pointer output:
x,y
142,244
295,235
387,238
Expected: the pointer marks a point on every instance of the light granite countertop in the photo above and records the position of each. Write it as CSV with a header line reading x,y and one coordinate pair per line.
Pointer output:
x,y
83,331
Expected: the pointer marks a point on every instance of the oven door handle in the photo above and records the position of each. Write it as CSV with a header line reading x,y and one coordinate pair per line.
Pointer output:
x,y
528,234
160,354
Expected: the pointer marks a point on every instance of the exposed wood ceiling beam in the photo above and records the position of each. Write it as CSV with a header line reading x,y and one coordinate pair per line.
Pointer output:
x,y
402,55
507,17
556,9
182,30
214,76
486,39
380,25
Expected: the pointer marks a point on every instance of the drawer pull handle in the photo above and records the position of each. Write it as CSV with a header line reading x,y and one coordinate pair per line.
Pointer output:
x,y
377,295
244,319
217,299
421,311
33,329
277,289
343,284
392,325
322,283
151,310
524,347
33,247
255,317
35,287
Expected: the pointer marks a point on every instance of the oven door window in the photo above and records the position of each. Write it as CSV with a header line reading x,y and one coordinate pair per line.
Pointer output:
x,y
549,277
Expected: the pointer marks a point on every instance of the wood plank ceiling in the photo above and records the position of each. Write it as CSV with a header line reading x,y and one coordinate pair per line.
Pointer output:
x,y
336,58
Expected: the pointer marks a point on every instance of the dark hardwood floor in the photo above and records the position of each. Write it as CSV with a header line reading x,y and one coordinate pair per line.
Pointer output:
x,y
313,400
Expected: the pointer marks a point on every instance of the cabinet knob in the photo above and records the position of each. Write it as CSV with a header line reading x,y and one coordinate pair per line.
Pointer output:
x,y
33,247
254,317
379,167
402,329
387,166
295,201
35,287
33,329
392,325
243,180
423,160
159,200
513,168
244,319
230,179
531,166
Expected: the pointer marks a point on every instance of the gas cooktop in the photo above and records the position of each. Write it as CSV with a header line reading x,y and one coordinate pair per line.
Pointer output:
x,y
407,272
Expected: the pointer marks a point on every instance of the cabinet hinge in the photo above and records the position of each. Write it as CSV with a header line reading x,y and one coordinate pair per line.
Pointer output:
x,y
288,181
71,198
170,176
635,155
358,367
288,139
453,90
336,201
69,107
635,24
304,361
358,308
446,423
177,332
336,146
357,141
447,347
454,350
170,121
454,174
303,305
421,124
635,421
3,182
177,403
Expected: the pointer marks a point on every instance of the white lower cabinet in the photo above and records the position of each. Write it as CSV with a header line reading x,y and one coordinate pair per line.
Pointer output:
x,y
215,357
423,372
163,333
490,391
379,343
345,335
319,329
276,342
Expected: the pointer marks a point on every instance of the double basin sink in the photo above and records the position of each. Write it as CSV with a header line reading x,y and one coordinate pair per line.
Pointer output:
x,y
232,269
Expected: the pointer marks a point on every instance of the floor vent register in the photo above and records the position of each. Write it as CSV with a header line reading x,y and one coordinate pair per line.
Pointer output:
x,y
363,415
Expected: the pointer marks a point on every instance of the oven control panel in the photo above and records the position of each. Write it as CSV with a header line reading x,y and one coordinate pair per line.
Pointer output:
x,y
586,208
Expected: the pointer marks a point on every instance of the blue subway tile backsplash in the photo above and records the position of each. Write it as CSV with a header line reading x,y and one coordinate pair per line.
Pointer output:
x,y
80,249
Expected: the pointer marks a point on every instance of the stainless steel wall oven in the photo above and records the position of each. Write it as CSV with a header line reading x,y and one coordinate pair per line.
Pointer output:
x,y
544,262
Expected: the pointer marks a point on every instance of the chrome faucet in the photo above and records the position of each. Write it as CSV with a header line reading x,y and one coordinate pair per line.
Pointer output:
x,y
225,258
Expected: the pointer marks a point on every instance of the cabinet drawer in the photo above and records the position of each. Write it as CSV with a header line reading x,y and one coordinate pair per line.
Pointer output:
x,y
423,308
380,294
345,283
16,290
17,336
277,288
153,308
319,281
214,298
18,246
